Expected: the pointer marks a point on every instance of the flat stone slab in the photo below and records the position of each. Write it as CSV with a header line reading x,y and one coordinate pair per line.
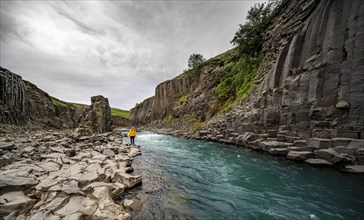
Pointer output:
x,y
267,145
329,155
304,148
15,181
319,162
299,155
355,168
299,143
7,145
278,151
68,187
13,201
320,143
356,143
341,141
76,204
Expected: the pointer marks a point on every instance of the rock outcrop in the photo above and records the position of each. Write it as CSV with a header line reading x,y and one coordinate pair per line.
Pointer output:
x,y
308,93
65,175
161,105
120,122
22,102
97,116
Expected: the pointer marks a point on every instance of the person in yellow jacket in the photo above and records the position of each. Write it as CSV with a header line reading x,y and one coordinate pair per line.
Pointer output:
x,y
132,134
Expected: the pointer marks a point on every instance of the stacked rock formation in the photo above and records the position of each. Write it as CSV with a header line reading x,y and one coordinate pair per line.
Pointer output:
x,y
64,175
234,128
98,116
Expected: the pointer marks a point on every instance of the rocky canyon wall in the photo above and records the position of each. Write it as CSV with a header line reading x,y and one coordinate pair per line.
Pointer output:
x,y
307,102
314,72
21,102
316,79
97,117
161,105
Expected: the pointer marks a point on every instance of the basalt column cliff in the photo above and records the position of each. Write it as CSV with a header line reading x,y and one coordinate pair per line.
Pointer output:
x,y
22,102
307,99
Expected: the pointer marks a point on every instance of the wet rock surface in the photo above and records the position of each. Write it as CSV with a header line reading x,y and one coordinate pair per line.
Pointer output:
x,y
65,175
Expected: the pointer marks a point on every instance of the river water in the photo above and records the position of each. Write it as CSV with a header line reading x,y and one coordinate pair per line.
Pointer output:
x,y
191,179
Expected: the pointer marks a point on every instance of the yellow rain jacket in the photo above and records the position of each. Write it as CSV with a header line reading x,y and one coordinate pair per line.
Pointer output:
x,y
132,132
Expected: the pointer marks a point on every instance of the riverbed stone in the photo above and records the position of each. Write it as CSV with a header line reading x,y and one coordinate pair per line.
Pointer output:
x,y
15,181
321,143
129,180
134,151
348,150
56,203
318,162
355,168
267,145
358,143
14,201
128,203
68,186
278,151
7,145
299,155
341,141
45,215
82,204
299,143
328,154
108,152
303,148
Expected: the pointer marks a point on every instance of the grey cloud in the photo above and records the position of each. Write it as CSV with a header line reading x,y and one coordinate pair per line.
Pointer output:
x,y
119,49
72,10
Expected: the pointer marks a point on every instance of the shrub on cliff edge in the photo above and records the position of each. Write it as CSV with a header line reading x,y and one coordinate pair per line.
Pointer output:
x,y
250,36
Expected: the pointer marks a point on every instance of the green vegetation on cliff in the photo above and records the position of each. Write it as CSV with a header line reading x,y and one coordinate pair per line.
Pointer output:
x,y
63,104
235,79
250,36
219,83
120,113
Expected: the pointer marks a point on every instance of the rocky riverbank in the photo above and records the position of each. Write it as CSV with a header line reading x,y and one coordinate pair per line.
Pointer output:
x,y
51,174
345,154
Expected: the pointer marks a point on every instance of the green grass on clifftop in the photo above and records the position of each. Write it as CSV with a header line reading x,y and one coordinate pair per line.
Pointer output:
x,y
120,113
114,111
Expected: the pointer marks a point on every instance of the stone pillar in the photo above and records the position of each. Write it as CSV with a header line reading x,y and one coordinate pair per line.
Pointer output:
x,y
100,114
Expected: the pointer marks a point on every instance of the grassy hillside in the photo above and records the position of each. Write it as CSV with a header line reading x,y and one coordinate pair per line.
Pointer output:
x,y
121,113
114,111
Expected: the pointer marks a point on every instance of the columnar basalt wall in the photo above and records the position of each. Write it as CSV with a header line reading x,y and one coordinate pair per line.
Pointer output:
x,y
161,105
308,105
317,71
308,96
12,102
22,102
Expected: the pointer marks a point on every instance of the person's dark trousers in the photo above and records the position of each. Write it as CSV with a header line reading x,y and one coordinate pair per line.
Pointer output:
x,y
132,138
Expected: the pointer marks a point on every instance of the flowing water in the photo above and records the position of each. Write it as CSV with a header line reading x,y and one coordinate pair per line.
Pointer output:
x,y
190,179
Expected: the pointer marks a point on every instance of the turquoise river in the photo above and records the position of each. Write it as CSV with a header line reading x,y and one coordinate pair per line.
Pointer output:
x,y
191,179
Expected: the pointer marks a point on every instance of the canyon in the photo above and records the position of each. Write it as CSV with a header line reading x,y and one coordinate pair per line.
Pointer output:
x,y
305,101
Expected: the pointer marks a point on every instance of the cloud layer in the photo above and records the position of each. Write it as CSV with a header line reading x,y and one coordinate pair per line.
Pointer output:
x,y
77,49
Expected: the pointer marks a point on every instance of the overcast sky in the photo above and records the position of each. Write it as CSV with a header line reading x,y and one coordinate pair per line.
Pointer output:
x,y
119,49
